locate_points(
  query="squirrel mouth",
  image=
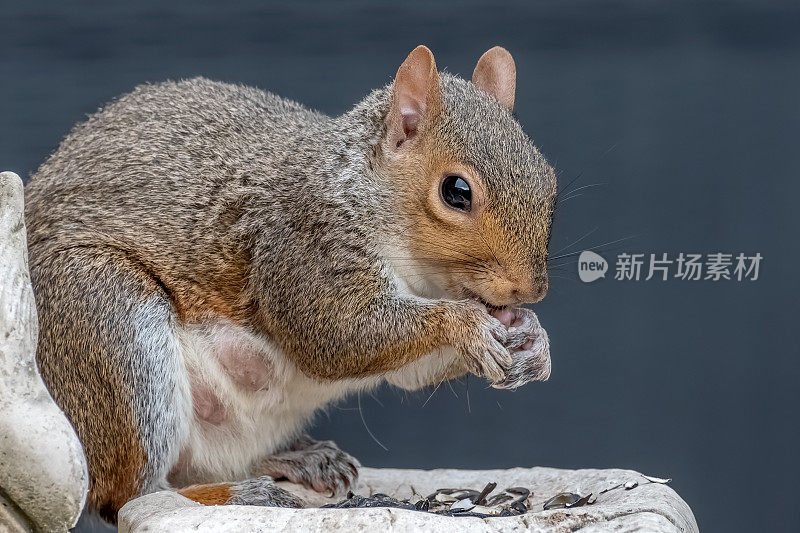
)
(472, 296)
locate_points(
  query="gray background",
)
(685, 114)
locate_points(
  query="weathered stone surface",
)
(12, 520)
(649, 507)
(42, 467)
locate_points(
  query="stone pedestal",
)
(648, 507)
(43, 477)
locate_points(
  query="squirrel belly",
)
(246, 399)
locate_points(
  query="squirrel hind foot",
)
(317, 465)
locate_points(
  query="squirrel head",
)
(476, 196)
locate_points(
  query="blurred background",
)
(680, 120)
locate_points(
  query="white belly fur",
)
(256, 422)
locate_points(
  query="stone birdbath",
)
(645, 506)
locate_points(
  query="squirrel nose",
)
(531, 292)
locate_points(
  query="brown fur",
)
(208, 494)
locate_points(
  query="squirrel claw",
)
(530, 364)
(530, 351)
(317, 465)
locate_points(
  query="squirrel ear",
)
(496, 74)
(415, 96)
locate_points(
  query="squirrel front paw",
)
(317, 465)
(482, 343)
(529, 345)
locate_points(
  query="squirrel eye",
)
(456, 192)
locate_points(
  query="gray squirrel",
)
(213, 263)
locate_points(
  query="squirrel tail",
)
(257, 491)
(209, 493)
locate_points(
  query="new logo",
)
(591, 266)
